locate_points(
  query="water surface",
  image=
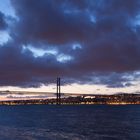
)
(70, 122)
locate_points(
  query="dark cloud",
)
(47, 20)
(23, 69)
(3, 23)
(108, 32)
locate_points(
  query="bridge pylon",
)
(58, 91)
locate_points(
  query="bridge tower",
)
(58, 91)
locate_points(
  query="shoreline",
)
(25, 102)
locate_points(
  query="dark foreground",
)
(70, 122)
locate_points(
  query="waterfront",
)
(115, 99)
(70, 122)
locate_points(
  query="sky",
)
(93, 45)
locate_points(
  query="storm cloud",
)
(3, 23)
(82, 41)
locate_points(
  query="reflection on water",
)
(79, 122)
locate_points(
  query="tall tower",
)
(58, 91)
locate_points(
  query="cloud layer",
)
(95, 41)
